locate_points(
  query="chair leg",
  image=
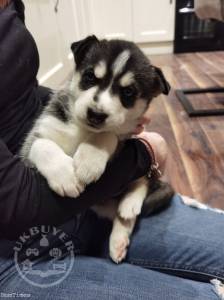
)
(181, 94)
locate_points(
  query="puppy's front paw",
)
(119, 243)
(130, 207)
(62, 180)
(88, 164)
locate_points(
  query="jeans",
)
(173, 255)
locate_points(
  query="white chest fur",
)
(66, 135)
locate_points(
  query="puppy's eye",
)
(129, 91)
(89, 76)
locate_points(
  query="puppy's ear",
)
(81, 47)
(161, 84)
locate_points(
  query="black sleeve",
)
(20, 9)
(26, 200)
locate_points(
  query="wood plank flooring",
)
(195, 165)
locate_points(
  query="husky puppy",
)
(79, 130)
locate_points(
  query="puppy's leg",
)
(120, 238)
(56, 167)
(91, 157)
(129, 208)
(131, 204)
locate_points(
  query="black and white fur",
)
(79, 130)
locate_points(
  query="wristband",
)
(154, 171)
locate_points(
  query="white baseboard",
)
(156, 48)
(56, 76)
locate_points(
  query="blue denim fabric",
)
(181, 240)
(96, 279)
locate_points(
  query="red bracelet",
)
(154, 171)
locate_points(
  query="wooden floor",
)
(196, 160)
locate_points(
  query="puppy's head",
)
(113, 84)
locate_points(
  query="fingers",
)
(145, 120)
(142, 121)
(138, 129)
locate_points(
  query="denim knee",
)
(182, 240)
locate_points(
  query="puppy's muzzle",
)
(95, 118)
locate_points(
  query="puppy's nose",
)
(96, 118)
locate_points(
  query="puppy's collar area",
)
(154, 171)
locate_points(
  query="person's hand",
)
(142, 122)
(4, 3)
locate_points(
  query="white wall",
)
(53, 33)
(150, 23)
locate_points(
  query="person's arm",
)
(18, 5)
(26, 200)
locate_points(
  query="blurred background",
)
(56, 24)
(183, 37)
(157, 26)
